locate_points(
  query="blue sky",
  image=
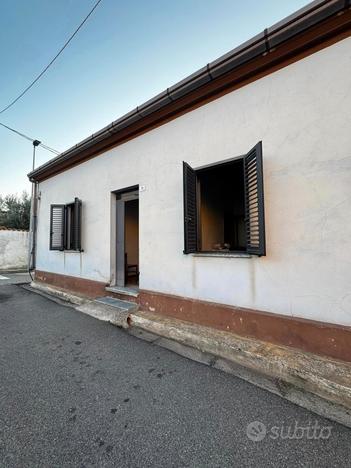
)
(126, 53)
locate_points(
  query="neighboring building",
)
(13, 249)
(253, 233)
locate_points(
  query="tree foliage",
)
(15, 211)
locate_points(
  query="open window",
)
(65, 226)
(224, 206)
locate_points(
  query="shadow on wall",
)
(13, 249)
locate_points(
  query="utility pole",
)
(33, 217)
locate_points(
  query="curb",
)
(58, 293)
(14, 271)
(318, 384)
(85, 305)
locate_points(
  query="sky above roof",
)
(126, 53)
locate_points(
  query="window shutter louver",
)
(190, 209)
(254, 201)
(77, 224)
(57, 227)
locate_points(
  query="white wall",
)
(13, 250)
(302, 115)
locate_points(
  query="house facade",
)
(223, 201)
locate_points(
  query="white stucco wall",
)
(302, 115)
(13, 250)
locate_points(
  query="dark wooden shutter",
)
(190, 209)
(77, 222)
(254, 202)
(57, 227)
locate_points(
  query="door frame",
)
(118, 200)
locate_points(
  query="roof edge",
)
(305, 22)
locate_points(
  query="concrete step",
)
(123, 291)
(125, 294)
(110, 310)
(118, 303)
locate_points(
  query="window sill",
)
(72, 251)
(222, 254)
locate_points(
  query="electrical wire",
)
(51, 62)
(48, 148)
(16, 131)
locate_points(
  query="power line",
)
(49, 149)
(30, 139)
(52, 61)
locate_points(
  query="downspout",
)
(33, 219)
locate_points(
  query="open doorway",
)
(127, 238)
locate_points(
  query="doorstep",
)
(127, 293)
(128, 306)
(110, 310)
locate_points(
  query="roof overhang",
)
(316, 26)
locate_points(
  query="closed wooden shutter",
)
(77, 221)
(190, 209)
(57, 227)
(254, 201)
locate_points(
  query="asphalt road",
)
(14, 278)
(77, 392)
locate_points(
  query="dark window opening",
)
(65, 226)
(224, 206)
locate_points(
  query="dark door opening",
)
(127, 237)
(131, 247)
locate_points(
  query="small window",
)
(65, 226)
(224, 207)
